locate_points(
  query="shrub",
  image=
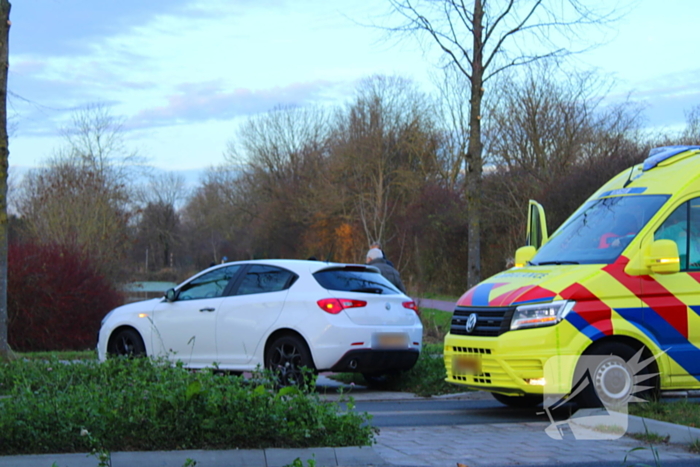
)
(139, 404)
(56, 298)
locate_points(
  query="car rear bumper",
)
(376, 361)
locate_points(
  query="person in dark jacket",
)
(378, 246)
(375, 258)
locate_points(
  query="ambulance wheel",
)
(606, 376)
(522, 402)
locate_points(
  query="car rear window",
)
(355, 279)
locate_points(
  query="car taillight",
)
(336, 305)
(412, 306)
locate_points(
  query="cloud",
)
(207, 101)
(54, 27)
(667, 97)
(69, 27)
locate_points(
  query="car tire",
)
(611, 379)
(286, 357)
(521, 402)
(126, 343)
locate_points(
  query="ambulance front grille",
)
(490, 321)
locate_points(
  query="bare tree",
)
(158, 219)
(280, 156)
(77, 207)
(81, 198)
(162, 187)
(95, 139)
(691, 133)
(453, 91)
(483, 38)
(544, 122)
(382, 142)
(5, 6)
(217, 213)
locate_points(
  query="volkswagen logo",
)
(388, 306)
(471, 323)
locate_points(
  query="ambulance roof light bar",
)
(658, 155)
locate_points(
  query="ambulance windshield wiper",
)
(545, 263)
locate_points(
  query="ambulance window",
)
(694, 256)
(686, 218)
(599, 231)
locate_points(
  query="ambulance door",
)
(536, 225)
(672, 311)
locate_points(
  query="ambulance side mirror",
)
(523, 255)
(663, 257)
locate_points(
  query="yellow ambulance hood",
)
(532, 284)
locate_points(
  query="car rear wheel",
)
(126, 343)
(286, 357)
(518, 401)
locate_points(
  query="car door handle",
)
(207, 309)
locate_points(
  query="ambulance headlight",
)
(543, 314)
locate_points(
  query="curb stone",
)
(679, 434)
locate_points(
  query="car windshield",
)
(355, 280)
(599, 231)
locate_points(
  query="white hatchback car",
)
(279, 314)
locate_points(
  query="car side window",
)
(209, 285)
(694, 255)
(261, 279)
(684, 220)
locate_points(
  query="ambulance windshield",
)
(599, 231)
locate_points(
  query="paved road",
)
(431, 412)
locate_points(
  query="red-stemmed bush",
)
(56, 298)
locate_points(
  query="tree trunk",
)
(474, 150)
(5, 351)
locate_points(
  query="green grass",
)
(437, 296)
(436, 323)
(694, 446)
(59, 355)
(650, 438)
(680, 412)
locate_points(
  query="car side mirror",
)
(663, 257)
(523, 255)
(170, 295)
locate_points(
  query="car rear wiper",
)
(545, 263)
(376, 290)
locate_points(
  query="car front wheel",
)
(126, 343)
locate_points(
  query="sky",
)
(182, 74)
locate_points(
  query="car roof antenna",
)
(629, 178)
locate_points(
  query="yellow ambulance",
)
(619, 280)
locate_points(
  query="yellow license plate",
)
(391, 341)
(464, 365)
